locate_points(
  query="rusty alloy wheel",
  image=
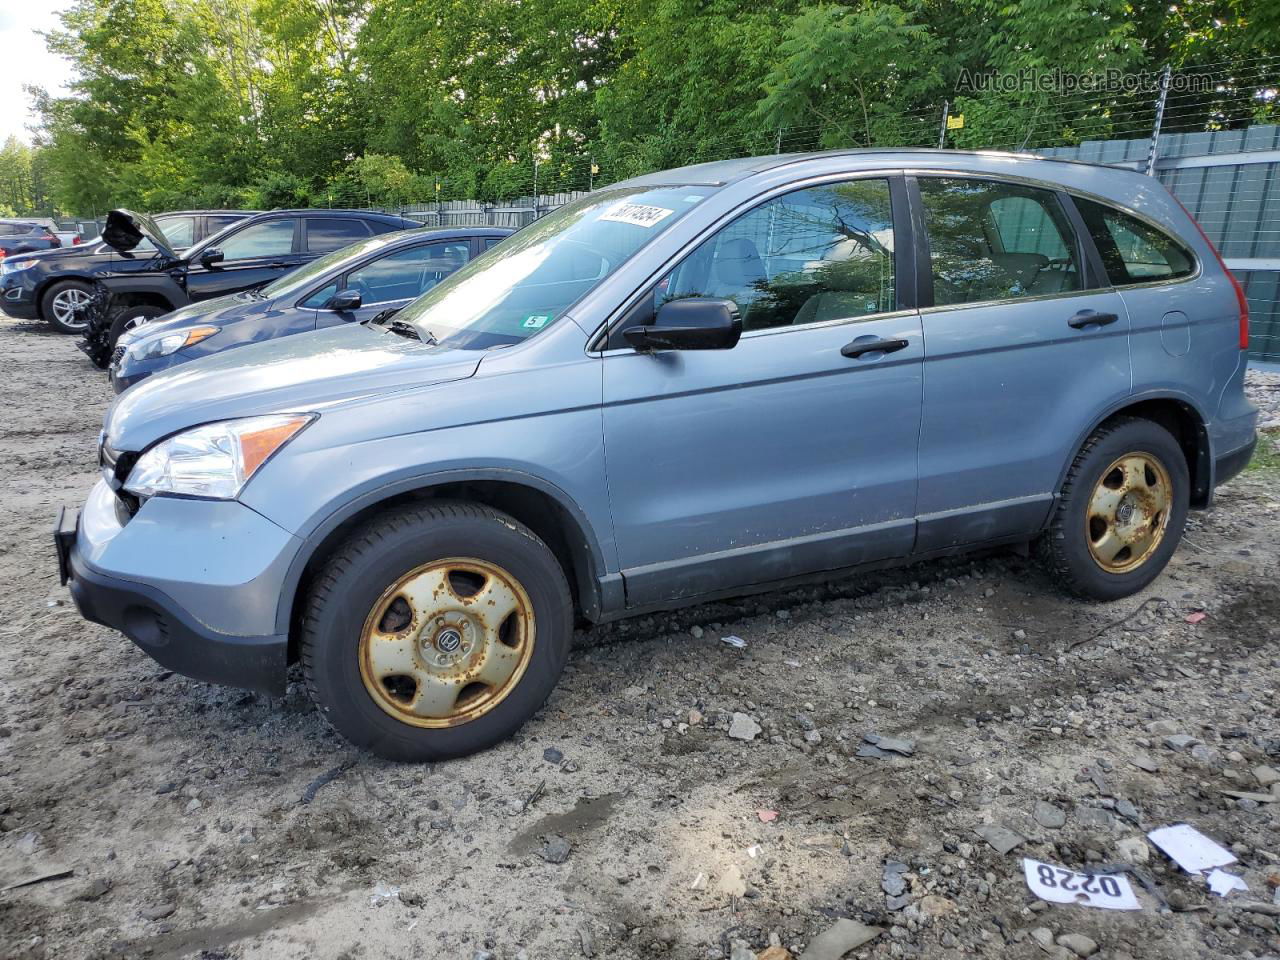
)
(447, 642)
(1128, 512)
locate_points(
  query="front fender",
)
(607, 589)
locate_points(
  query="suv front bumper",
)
(199, 596)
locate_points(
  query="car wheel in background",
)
(58, 304)
(127, 318)
(435, 631)
(1121, 512)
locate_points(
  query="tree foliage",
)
(260, 103)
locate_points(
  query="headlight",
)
(215, 460)
(170, 343)
(13, 266)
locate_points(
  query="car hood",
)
(304, 373)
(126, 229)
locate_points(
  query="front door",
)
(251, 256)
(795, 451)
(1024, 342)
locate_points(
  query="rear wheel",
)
(1121, 512)
(58, 305)
(126, 318)
(436, 631)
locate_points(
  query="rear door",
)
(252, 255)
(392, 281)
(1025, 342)
(794, 451)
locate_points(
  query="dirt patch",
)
(178, 804)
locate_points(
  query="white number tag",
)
(1060, 885)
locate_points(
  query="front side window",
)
(1133, 251)
(996, 241)
(326, 235)
(810, 256)
(271, 238)
(529, 282)
(321, 297)
(408, 273)
(179, 231)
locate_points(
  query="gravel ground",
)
(628, 819)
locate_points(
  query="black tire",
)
(374, 558)
(54, 304)
(127, 317)
(1066, 546)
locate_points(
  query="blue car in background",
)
(349, 285)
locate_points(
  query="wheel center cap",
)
(448, 640)
(1125, 512)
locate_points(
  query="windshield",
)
(527, 282)
(298, 280)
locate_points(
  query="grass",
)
(1267, 457)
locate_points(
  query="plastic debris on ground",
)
(1197, 854)
(736, 642)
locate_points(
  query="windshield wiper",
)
(406, 329)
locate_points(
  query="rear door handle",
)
(860, 346)
(278, 265)
(1091, 318)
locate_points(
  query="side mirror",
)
(210, 257)
(344, 301)
(694, 323)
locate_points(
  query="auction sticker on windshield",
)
(1060, 885)
(640, 214)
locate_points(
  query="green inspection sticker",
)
(536, 321)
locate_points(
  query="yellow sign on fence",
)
(955, 121)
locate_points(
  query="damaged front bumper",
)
(194, 583)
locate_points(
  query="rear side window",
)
(219, 223)
(996, 241)
(1134, 251)
(326, 235)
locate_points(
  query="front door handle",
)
(1091, 318)
(860, 346)
(277, 265)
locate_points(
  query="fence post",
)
(942, 131)
(1155, 130)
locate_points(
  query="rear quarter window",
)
(1132, 250)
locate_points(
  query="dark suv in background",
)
(18, 236)
(50, 284)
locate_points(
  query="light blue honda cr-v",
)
(696, 383)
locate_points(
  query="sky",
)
(27, 61)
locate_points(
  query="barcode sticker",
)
(639, 214)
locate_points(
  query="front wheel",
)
(1121, 510)
(127, 318)
(436, 631)
(61, 306)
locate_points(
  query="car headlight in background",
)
(215, 460)
(13, 266)
(170, 343)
